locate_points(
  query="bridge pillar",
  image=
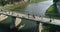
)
(39, 27)
(17, 21)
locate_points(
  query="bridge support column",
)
(17, 21)
(39, 27)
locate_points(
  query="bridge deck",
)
(30, 17)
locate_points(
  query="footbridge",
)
(37, 19)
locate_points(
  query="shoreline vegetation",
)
(15, 5)
(52, 12)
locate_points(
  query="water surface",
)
(38, 8)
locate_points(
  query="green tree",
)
(3, 2)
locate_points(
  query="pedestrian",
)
(9, 12)
(12, 13)
(50, 20)
(33, 16)
(17, 15)
(39, 16)
(28, 15)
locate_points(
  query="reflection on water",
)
(30, 26)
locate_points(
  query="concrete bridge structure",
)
(18, 16)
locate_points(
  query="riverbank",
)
(9, 7)
(52, 12)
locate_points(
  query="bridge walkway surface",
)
(31, 17)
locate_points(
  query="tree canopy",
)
(56, 0)
(3, 2)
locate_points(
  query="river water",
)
(39, 8)
(33, 9)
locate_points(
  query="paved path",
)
(30, 17)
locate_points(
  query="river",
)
(38, 9)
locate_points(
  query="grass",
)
(45, 30)
(50, 28)
(52, 12)
(20, 9)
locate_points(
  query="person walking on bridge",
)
(50, 19)
(28, 15)
(33, 16)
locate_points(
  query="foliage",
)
(4, 2)
(52, 11)
(56, 0)
(51, 28)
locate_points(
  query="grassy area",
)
(45, 30)
(52, 11)
(50, 28)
